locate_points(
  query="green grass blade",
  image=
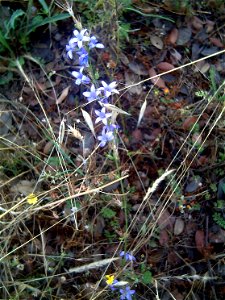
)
(149, 15)
(4, 42)
(48, 20)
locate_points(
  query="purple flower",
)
(106, 136)
(102, 116)
(126, 294)
(83, 57)
(70, 48)
(80, 37)
(127, 256)
(81, 78)
(93, 43)
(112, 127)
(92, 94)
(112, 287)
(108, 89)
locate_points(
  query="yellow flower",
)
(109, 279)
(32, 199)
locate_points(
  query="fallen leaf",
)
(137, 135)
(156, 41)
(193, 185)
(157, 80)
(189, 122)
(63, 95)
(24, 187)
(216, 42)
(163, 238)
(164, 220)
(48, 147)
(175, 55)
(165, 66)
(138, 68)
(173, 36)
(130, 79)
(197, 23)
(200, 240)
(184, 36)
(209, 26)
(178, 226)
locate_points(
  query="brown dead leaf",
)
(173, 36)
(165, 66)
(130, 79)
(48, 147)
(209, 26)
(138, 68)
(159, 82)
(156, 41)
(197, 23)
(63, 95)
(164, 219)
(137, 135)
(200, 240)
(216, 42)
(189, 122)
(163, 238)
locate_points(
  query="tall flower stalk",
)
(79, 48)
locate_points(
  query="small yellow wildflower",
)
(166, 91)
(32, 199)
(109, 279)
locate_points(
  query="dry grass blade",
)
(142, 111)
(156, 183)
(89, 122)
(63, 95)
(94, 265)
(114, 108)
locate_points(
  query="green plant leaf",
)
(147, 277)
(11, 24)
(108, 213)
(44, 6)
(48, 20)
(6, 78)
(4, 42)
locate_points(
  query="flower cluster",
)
(127, 256)
(79, 47)
(125, 293)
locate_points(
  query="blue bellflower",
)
(70, 48)
(106, 136)
(93, 43)
(127, 256)
(126, 294)
(109, 89)
(80, 37)
(92, 94)
(102, 116)
(80, 77)
(83, 57)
